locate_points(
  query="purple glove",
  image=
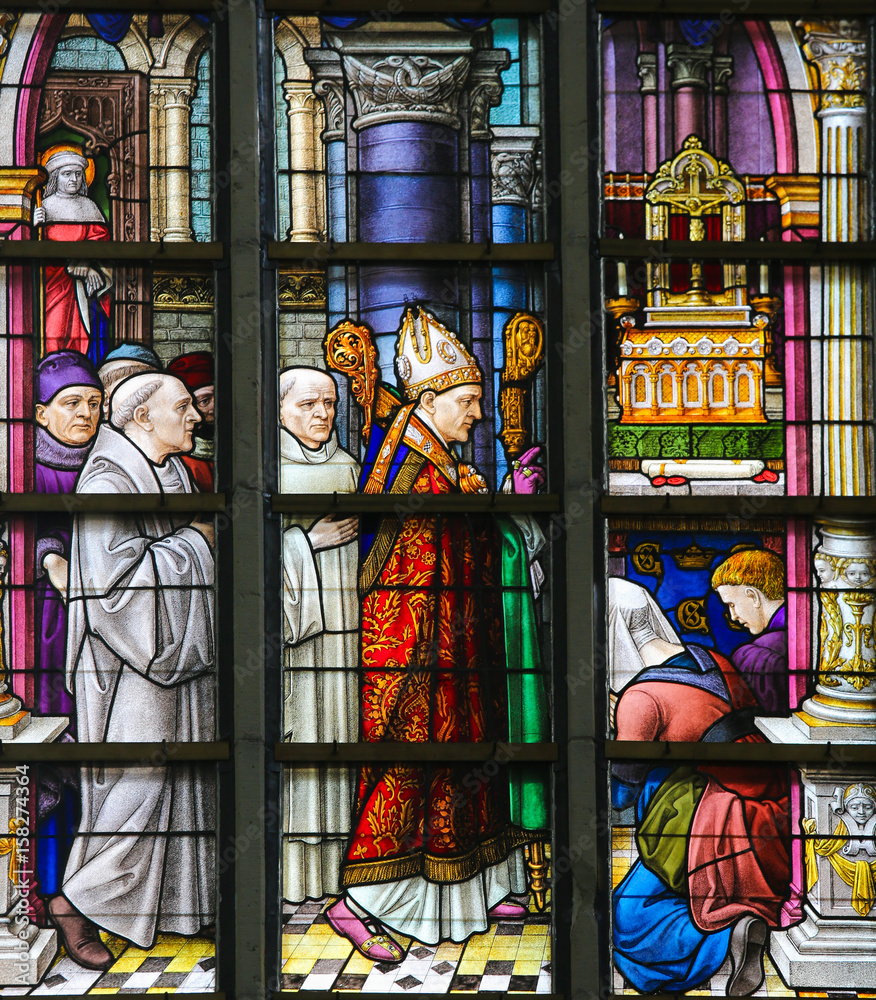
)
(526, 477)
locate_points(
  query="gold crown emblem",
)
(694, 557)
(429, 356)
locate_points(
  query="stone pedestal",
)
(26, 951)
(836, 941)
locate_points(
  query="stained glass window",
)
(418, 376)
(738, 388)
(108, 664)
(723, 374)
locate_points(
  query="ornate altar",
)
(703, 352)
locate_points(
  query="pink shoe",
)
(377, 947)
(508, 911)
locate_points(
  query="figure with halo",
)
(76, 294)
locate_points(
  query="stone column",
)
(485, 93)
(689, 70)
(156, 177)
(171, 104)
(303, 106)
(844, 358)
(513, 160)
(646, 66)
(406, 85)
(844, 704)
(325, 65)
(722, 70)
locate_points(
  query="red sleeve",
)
(73, 232)
(638, 716)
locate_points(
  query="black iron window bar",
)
(113, 250)
(736, 8)
(811, 251)
(477, 252)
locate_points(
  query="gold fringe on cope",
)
(437, 869)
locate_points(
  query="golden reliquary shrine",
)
(703, 352)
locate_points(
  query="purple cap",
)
(61, 369)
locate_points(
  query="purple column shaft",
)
(408, 193)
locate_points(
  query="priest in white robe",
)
(140, 663)
(321, 642)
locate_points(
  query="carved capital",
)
(646, 67)
(329, 86)
(300, 98)
(182, 291)
(486, 89)
(513, 164)
(689, 66)
(839, 50)
(405, 76)
(722, 70)
(172, 93)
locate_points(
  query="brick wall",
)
(200, 143)
(301, 337)
(175, 333)
(92, 54)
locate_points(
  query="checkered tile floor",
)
(510, 957)
(622, 857)
(175, 964)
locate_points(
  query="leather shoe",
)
(79, 935)
(747, 942)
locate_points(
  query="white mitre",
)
(429, 356)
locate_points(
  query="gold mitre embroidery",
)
(429, 356)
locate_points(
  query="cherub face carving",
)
(858, 574)
(861, 808)
(824, 570)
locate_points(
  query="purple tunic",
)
(764, 665)
(57, 466)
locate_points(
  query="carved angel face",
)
(861, 808)
(858, 574)
(824, 570)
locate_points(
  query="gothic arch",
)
(788, 89)
(181, 48)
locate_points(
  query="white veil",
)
(634, 618)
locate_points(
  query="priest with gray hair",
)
(140, 662)
(321, 640)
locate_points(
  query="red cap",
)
(195, 369)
